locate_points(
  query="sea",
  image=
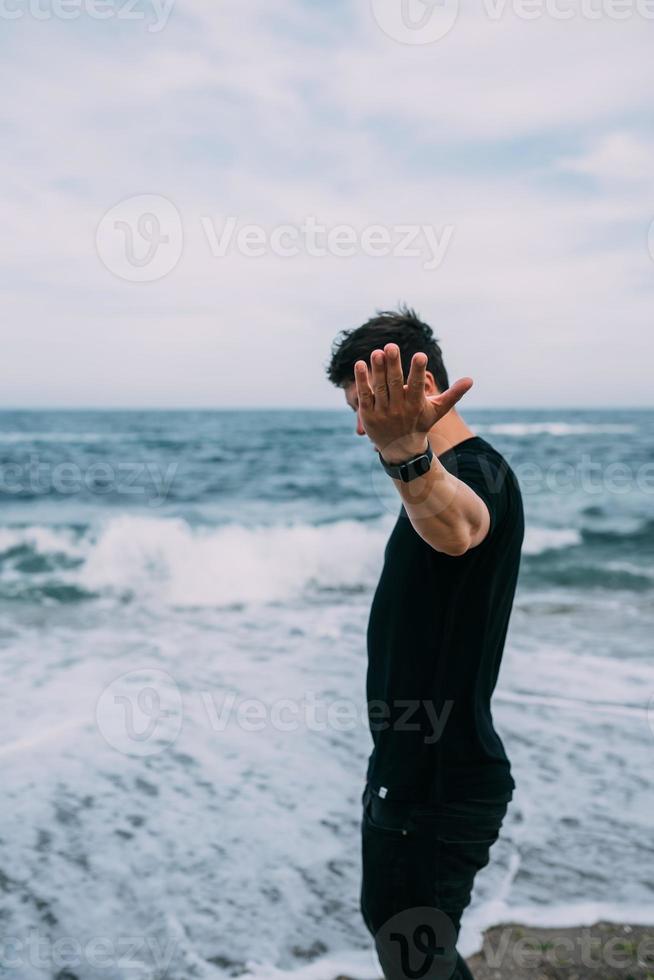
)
(183, 742)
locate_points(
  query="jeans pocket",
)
(380, 817)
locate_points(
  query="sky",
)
(198, 195)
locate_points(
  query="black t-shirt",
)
(435, 640)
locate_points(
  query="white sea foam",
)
(232, 564)
(540, 539)
(229, 826)
(520, 429)
(354, 963)
(42, 540)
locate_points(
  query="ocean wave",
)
(641, 535)
(41, 540)
(520, 429)
(231, 564)
(168, 560)
(610, 576)
(538, 540)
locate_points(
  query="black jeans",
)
(419, 861)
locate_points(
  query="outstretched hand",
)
(395, 415)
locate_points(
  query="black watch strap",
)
(411, 469)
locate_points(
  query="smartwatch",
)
(410, 469)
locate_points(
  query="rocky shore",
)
(605, 951)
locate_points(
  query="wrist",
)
(403, 450)
(415, 465)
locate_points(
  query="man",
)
(438, 779)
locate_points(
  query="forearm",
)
(445, 512)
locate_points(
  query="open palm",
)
(395, 415)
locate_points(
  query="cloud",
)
(622, 159)
(525, 137)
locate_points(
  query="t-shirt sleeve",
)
(487, 476)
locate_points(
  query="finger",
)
(378, 372)
(364, 391)
(415, 383)
(394, 375)
(448, 399)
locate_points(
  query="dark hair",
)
(402, 327)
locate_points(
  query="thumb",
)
(447, 399)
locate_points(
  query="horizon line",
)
(305, 408)
(308, 408)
